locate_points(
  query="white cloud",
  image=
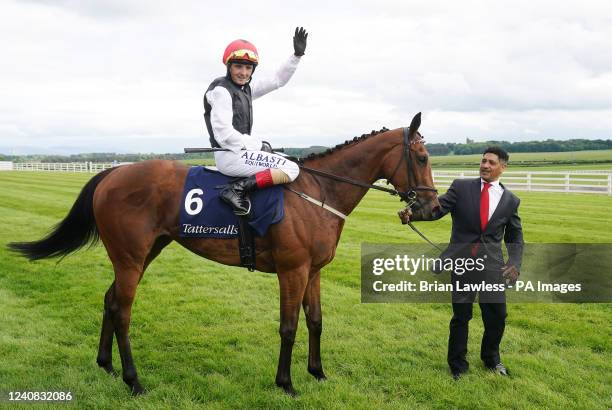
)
(129, 75)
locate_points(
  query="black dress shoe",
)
(500, 369)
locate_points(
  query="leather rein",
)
(408, 196)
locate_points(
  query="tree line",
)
(436, 149)
(548, 145)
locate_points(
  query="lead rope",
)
(424, 237)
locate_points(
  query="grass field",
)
(588, 158)
(534, 161)
(521, 161)
(206, 335)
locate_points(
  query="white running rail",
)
(583, 181)
(93, 167)
(579, 181)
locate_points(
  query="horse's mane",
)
(354, 141)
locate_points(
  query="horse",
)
(134, 210)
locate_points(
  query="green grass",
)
(205, 161)
(206, 335)
(534, 160)
(606, 166)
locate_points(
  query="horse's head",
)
(408, 168)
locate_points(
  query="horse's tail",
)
(76, 230)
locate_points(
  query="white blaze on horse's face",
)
(241, 73)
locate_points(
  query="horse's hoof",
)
(108, 368)
(137, 389)
(318, 374)
(135, 386)
(290, 391)
(288, 388)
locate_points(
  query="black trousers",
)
(494, 319)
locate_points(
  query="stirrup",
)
(248, 211)
(246, 244)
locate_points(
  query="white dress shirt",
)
(495, 194)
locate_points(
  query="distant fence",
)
(92, 167)
(582, 181)
(579, 181)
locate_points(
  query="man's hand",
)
(299, 41)
(265, 146)
(404, 215)
(510, 273)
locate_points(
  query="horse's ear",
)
(415, 124)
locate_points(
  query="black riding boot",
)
(236, 195)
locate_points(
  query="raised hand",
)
(299, 41)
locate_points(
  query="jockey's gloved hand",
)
(299, 41)
(265, 146)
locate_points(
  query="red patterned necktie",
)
(484, 205)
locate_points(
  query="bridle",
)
(409, 196)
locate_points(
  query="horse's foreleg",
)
(126, 281)
(292, 286)
(105, 350)
(314, 321)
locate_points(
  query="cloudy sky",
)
(129, 75)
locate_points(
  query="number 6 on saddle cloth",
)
(205, 215)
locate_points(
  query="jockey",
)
(228, 113)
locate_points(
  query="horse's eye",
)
(423, 159)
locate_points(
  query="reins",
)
(347, 180)
(408, 196)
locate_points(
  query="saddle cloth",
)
(205, 215)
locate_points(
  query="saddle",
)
(205, 215)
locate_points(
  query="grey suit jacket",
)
(462, 200)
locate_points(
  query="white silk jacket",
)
(221, 113)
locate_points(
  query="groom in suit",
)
(484, 212)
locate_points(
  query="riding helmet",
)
(241, 51)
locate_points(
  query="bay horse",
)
(134, 210)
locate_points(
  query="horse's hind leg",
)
(314, 321)
(105, 350)
(126, 281)
(129, 268)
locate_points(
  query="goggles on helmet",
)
(243, 55)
